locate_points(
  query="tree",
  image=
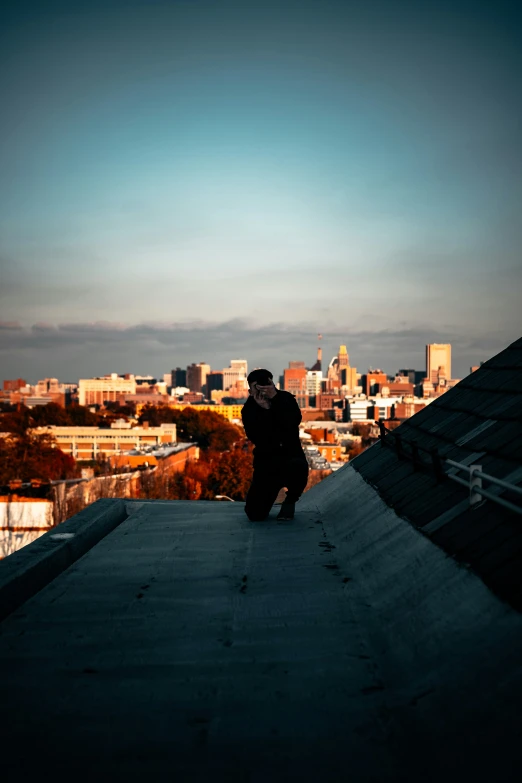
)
(28, 456)
(231, 474)
(206, 428)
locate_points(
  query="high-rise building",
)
(343, 358)
(214, 382)
(197, 376)
(341, 374)
(179, 377)
(295, 382)
(314, 380)
(236, 375)
(438, 362)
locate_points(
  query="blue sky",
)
(199, 181)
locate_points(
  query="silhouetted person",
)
(271, 419)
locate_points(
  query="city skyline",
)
(189, 182)
(32, 377)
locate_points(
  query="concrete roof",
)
(177, 641)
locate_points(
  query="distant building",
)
(341, 375)
(86, 443)
(197, 376)
(173, 457)
(314, 380)
(236, 375)
(108, 388)
(408, 408)
(414, 376)
(372, 380)
(192, 396)
(214, 382)
(178, 377)
(229, 412)
(399, 386)
(42, 393)
(295, 382)
(438, 362)
(15, 385)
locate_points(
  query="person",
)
(271, 420)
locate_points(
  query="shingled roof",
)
(478, 422)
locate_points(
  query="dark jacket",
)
(273, 431)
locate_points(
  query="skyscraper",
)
(236, 374)
(179, 377)
(197, 376)
(438, 361)
(295, 381)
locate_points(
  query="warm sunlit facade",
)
(438, 362)
(86, 443)
(97, 391)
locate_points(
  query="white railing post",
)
(475, 482)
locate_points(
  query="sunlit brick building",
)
(295, 382)
(109, 388)
(197, 376)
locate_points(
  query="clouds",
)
(197, 181)
(73, 350)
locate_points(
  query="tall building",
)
(343, 358)
(295, 382)
(197, 376)
(314, 379)
(214, 382)
(340, 373)
(438, 362)
(108, 388)
(179, 377)
(236, 375)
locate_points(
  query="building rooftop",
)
(177, 640)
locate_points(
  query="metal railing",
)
(436, 462)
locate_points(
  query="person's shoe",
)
(287, 511)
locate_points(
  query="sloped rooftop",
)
(477, 422)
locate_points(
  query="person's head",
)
(260, 377)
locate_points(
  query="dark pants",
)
(269, 477)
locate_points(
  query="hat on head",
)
(263, 377)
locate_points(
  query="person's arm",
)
(248, 424)
(286, 410)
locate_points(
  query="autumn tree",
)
(231, 474)
(206, 428)
(28, 455)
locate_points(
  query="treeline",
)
(215, 473)
(23, 418)
(26, 454)
(208, 429)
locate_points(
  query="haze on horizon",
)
(200, 181)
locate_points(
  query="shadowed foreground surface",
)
(190, 644)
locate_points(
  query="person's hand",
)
(259, 397)
(269, 391)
